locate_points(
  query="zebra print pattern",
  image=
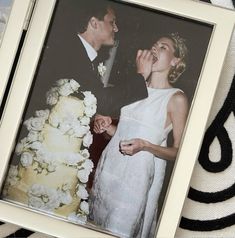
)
(191, 227)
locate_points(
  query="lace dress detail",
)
(126, 189)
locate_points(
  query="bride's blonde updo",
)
(181, 52)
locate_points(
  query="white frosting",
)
(53, 169)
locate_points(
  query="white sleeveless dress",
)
(126, 189)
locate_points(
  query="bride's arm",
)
(133, 146)
(177, 111)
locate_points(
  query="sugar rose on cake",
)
(54, 164)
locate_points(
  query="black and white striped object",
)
(209, 210)
(12, 231)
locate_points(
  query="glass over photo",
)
(106, 115)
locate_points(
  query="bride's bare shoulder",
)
(178, 101)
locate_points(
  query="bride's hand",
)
(101, 123)
(131, 147)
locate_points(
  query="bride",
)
(131, 170)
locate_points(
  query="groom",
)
(80, 29)
(97, 28)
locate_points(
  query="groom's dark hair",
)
(83, 10)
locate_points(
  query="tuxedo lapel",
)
(85, 71)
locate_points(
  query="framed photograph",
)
(106, 115)
(13, 21)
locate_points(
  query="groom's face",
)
(108, 28)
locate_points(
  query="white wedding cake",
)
(54, 163)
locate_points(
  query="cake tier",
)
(56, 142)
(68, 106)
(49, 185)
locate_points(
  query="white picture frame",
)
(10, 38)
(177, 191)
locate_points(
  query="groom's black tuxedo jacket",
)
(70, 60)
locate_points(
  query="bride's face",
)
(163, 55)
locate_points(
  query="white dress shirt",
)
(91, 52)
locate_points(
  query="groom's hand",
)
(101, 123)
(144, 62)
